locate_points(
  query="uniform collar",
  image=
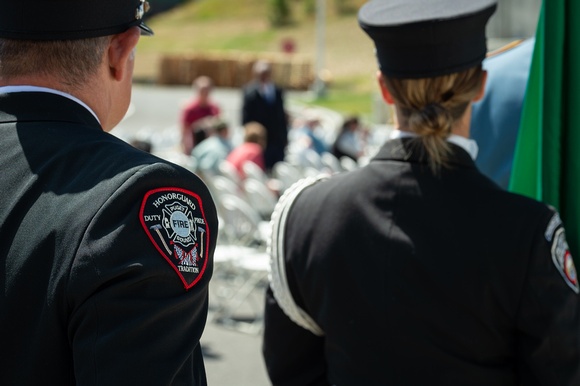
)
(40, 106)
(26, 88)
(406, 149)
(469, 145)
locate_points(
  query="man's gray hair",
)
(72, 62)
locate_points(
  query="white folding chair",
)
(220, 185)
(241, 306)
(241, 222)
(251, 170)
(260, 197)
(310, 158)
(228, 170)
(330, 161)
(287, 173)
(348, 163)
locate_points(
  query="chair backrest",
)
(220, 185)
(228, 170)
(241, 223)
(330, 161)
(310, 158)
(260, 197)
(251, 170)
(348, 163)
(287, 173)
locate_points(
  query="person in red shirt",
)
(251, 150)
(197, 108)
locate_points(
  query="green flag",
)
(547, 157)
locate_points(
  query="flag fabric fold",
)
(547, 156)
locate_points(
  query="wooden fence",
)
(234, 70)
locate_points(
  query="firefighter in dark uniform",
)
(417, 269)
(106, 252)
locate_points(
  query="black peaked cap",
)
(70, 19)
(427, 38)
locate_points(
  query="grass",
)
(218, 26)
(350, 95)
(344, 101)
(201, 10)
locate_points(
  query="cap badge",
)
(142, 10)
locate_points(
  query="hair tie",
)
(447, 95)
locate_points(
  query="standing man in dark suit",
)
(106, 251)
(264, 103)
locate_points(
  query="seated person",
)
(197, 108)
(251, 150)
(306, 137)
(207, 155)
(349, 143)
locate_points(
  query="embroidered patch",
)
(554, 223)
(174, 221)
(563, 260)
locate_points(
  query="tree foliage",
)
(280, 14)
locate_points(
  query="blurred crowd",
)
(277, 148)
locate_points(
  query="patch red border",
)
(142, 220)
(570, 269)
(563, 260)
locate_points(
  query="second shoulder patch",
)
(563, 260)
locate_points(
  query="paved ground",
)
(233, 357)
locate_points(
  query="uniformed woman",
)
(417, 269)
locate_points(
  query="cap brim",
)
(146, 31)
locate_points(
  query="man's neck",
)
(91, 93)
(29, 88)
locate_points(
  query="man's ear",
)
(387, 97)
(481, 92)
(120, 52)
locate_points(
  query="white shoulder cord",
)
(277, 275)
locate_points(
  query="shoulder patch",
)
(563, 260)
(554, 223)
(174, 220)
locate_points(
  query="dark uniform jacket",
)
(416, 279)
(89, 293)
(255, 108)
